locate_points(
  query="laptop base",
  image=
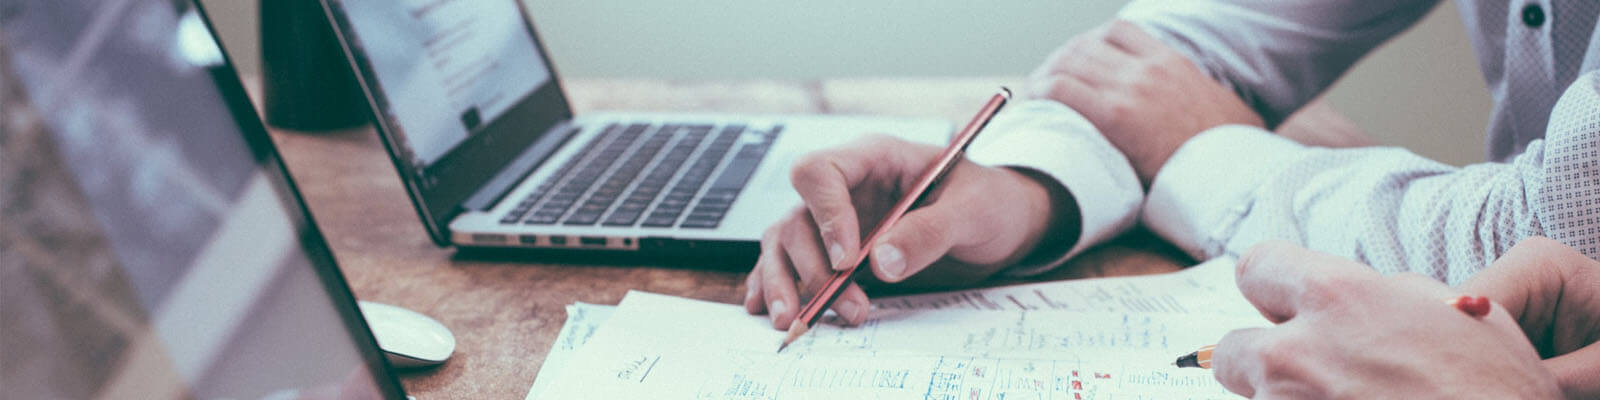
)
(657, 252)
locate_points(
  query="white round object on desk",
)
(408, 338)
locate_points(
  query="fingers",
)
(1279, 278)
(1552, 292)
(777, 282)
(1076, 71)
(799, 237)
(1528, 280)
(852, 305)
(824, 181)
(791, 252)
(1278, 362)
(802, 244)
(1069, 90)
(1093, 61)
(1231, 364)
(1578, 372)
(753, 302)
(921, 237)
(1133, 39)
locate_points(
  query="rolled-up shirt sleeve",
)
(1276, 54)
(1048, 138)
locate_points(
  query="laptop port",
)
(558, 240)
(592, 241)
(530, 240)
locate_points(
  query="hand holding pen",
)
(1345, 331)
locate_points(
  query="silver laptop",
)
(475, 120)
(152, 246)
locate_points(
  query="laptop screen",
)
(445, 67)
(459, 90)
(152, 246)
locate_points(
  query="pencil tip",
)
(795, 330)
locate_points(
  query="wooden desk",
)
(506, 315)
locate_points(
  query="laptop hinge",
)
(519, 168)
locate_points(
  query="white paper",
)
(1207, 288)
(664, 347)
(583, 319)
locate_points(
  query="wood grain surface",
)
(505, 315)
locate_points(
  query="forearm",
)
(1233, 187)
(1276, 55)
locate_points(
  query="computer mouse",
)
(408, 338)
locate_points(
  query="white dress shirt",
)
(1233, 186)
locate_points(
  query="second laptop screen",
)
(445, 67)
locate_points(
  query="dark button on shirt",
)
(1533, 15)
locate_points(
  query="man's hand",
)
(982, 218)
(1554, 294)
(1147, 98)
(1347, 332)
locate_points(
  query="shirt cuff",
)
(1201, 192)
(1052, 139)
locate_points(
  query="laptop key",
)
(701, 222)
(623, 218)
(720, 194)
(542, 219)
(673, 204)
(737, 173)
(659, 220)
(673, 211)
(645, 192)
(582, 218)
(636, 201)
(557, 205)
(708, 212)
(704, 208)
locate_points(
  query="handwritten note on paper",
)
(657, 346)
(583, 319)
(1205, 288)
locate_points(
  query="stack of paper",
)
(1109, 338)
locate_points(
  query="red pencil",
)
(812, 312)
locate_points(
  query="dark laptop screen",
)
(459, 89)
(445, 66)
(151, 246)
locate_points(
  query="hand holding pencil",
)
(921, 191)
(983, 218)
(1346, 331)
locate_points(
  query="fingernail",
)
(890, 261)
(835, 254)
(750, 292)
(848, 309)
(777, 308)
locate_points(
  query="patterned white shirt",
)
(1233, 186)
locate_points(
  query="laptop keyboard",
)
(651, 175)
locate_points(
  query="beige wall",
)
(1422, 91)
